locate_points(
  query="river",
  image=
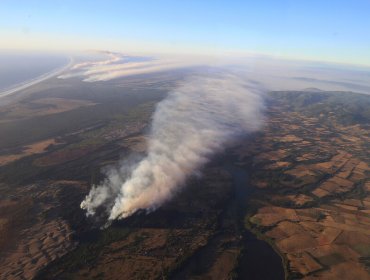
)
(259, 261)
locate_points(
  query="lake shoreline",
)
(257, 254)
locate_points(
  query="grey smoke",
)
(195, 121)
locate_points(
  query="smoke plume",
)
(195, 121)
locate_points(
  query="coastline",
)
(36, 80)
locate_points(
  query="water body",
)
(18, 70)
(259, 261)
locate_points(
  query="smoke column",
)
(195, 121)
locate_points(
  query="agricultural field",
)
(294, 196)
(313, 175)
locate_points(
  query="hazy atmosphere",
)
(185, 140)
(324, 31)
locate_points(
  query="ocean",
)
(20, 68)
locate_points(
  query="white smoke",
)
(195, 121)
(274, 72)
(117, 65)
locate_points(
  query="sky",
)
(335, 31)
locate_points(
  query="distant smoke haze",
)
(274, 73)
(117, 65)
(196, 120)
